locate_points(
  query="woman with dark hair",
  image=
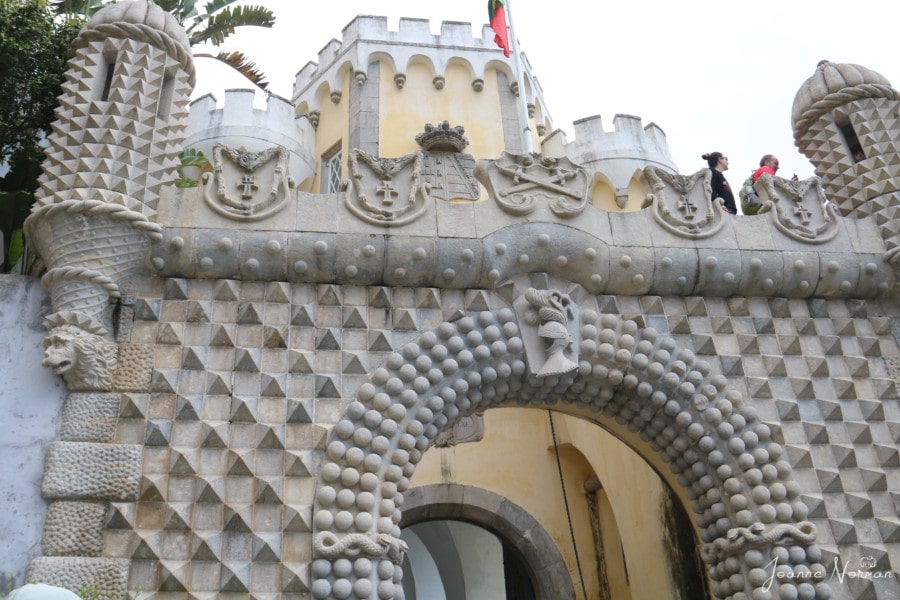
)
(718, 164)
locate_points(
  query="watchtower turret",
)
(116, 140)
(845, 120)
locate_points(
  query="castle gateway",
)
(381, 349)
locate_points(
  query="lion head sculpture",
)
(85, 360)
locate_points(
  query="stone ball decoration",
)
(40, 591)
(713, 442)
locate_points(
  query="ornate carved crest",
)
(681, 203)
(449, 173)
(468, 429)
(799, 209)
(519, 181)
(552, 336)
(248, 186)
(387, 191)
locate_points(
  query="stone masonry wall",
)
(246, 379)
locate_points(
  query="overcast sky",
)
(713, 75)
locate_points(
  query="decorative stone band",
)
(88, 247)
(109, 576)
(848, 94)
(329, 545)
(668, 268)
(744, 538)
(116, 212)
(82, 274)
(140, 32)
(82, 471)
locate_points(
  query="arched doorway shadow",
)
(506, 519)
(636, 383)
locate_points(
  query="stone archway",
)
(629, 378)
(503, 517)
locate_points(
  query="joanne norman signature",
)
(842, 573)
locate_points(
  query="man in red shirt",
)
(767, 164)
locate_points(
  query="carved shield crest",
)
(386, 191)
(450, 176)
(248, 186)
(681, 203)
(799, 209)
(519, 182)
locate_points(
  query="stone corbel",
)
(89, 247)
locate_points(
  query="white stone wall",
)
(31, 399)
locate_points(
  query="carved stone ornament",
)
(799, 209)
(468, 429)
(443, 138)
(248, 186)
(449, 173)
(519, 181)
(550, 331)
(741, 539)
(329, 545)
(387, 191)
(681, 203)
(85, 360)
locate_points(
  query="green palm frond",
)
(243, 65)
(76, 8)
(223, 23)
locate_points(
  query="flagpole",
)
(520, 81)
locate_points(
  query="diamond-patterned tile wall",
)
(247, 379)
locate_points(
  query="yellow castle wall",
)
(516, 460)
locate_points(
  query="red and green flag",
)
(497, 16)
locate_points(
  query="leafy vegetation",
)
(34, 38)
(33, 45)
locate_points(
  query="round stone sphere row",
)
(422, 389)
(702, 429)
(362, 578)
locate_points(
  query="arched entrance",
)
(639, 385)
(536, 550)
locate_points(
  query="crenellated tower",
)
(236, 123)
(374, 89)
(616, 159)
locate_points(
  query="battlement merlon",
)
(366, 36)
(618, 154)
